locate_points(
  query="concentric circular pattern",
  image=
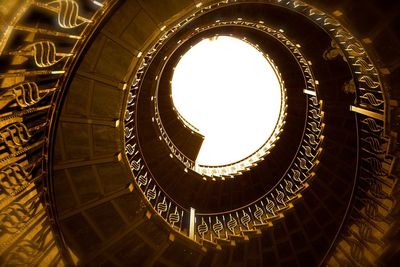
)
(260, 209)
(234, 94)
(214, 172)
(238, 220)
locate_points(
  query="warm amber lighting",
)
(228, 90)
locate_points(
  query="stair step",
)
(263, 226)
(225, 242)
(238, 237)
(252, 233)
(212, 245)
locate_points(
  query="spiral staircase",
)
(98, 168)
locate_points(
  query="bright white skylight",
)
(228, 90)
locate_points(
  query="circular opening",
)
(230, 92)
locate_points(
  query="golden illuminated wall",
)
(39, 42)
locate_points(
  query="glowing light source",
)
(228, 90)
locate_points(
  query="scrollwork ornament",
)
(26, 251)
(375, 165)
(151, 193)
(245, 219)
(356, 250)
(369, 81)
(364, 66)
(232, 223)
(280, 197)
(270, 206)
(374, 144)
(45, 53)
(202, 228)
(13, 218)
(289, 187)
(372, 125)
(28, 94)
(174, 217)
(355, 49)
(13, 179)
(68, 14)
(258, 213)
(128, 115)
(217, 226)
(142, 180)
(15, 136)
(162, 206)
(136, 165)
